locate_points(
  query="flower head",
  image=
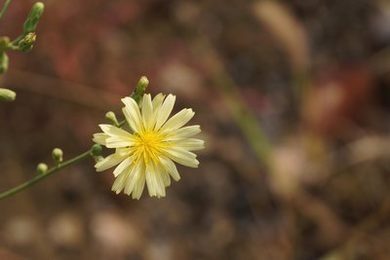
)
(147, 153)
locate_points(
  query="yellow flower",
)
(148, 152)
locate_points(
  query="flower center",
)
(149, 145)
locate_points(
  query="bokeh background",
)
(293, 98)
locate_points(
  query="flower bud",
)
(112, 117)
(27, 43)
(140, 88)
(143, 83)
(3, 62)
(96, 150)
(57, 155)
(4, 43)
(42, 168)
(7, 95)
(33, 17)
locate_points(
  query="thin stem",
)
(241, 113)
(121, 123)
(244, 118)
(5, 6)
(40, 177)
(140, 89)
(17, 39)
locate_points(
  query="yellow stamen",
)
(149, 145)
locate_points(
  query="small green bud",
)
(42, 168)
(33, 17)
(140, 88)
(143, 83)
(96, 150)
(112, 117)
(57, 155)
(7, 95)
(4, 43)
(27, 43)
(3, 62)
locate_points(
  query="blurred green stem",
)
(241, 113)
(244, 118)
(5, 6)
(39, 177)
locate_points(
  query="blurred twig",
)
(242, 115)
(359, 231)
(308, 205)
(62, 90)
(4, 8)
(290, 35)
(365, 150)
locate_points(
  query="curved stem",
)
(5, 6)
(40, 177)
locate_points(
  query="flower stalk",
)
(94, 152)
(43, 174)
(24, 42)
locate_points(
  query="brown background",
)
(314, 74)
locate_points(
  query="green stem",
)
(40, 177)
(244, 118)
(140, 89)
(5, 6)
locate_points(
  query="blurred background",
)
(293, 98)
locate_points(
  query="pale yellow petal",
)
(162, 175)
(147, 112)
(115, 131)
(120, 181)
(154, 182)
(100, 138)
(160, 183)
(150, 184)
(165, 111)
(108, 162)
(133, 179)
(178, 120)
(190, 144)
(183, 157)
(119, 142)
(170, 167)
(139, 186)
(183, 133)
(123, 166)
(157, 102)
(166, 178)
(132, 114)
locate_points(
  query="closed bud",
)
(33, 17)
(96, 150)
(4, 43)
(27, 43)
(57, 155)
(42, 168)
(3, 62)
(112, 117)
(7, 95)
(140, 88)
(143, 83)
